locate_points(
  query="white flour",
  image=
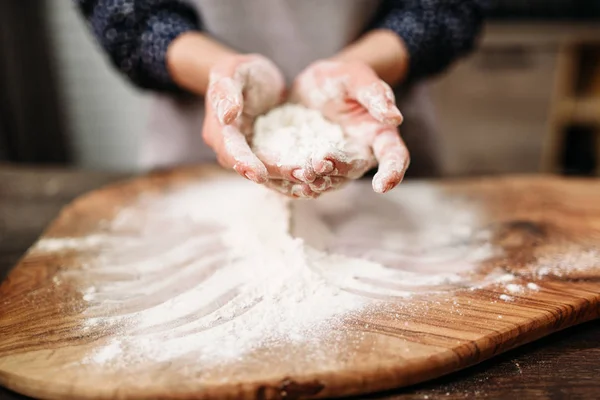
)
(578, 260)
(211, 270)
(52, 245)
(295, 134)
(514, 288)
(265, 292)
(506, 297)
(419, 241)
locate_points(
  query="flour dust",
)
(222, 268)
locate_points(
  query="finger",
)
(349, 165)
(328, 161)
(305, 174)
(352, 161)
(326, 183)
(321, 184)
(225, 94)
(237, 154)
(262, 84)
(393, 158)
(294, 173)
(377, 97)
(324, 165)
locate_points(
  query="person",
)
(215, 65)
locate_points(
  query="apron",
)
(293, 34)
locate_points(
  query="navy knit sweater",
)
(136, 33)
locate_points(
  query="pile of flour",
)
(294, 134)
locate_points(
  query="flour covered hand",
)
(351, 95)
(241, 88)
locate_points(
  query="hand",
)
(353, 96)
(241, 88)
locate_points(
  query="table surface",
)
(563, 365)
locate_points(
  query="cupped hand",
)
(241, 88)
(353, 96)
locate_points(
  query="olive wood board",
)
(537, 271)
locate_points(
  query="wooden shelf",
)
(579, 111)
(576, 99)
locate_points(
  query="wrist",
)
(382, 50)
(190, 58)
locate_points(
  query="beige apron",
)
(292, 33)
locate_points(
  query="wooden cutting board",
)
(462, 271)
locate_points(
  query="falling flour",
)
(218, 284)
(294, 134)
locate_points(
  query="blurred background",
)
(527, 100)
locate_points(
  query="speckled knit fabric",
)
(136, 33)
(436, 32)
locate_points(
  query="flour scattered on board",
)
(568, 262)
(107, 353)
(514, 288)
(242, 281)
(61, 244)
(224, 268)
(506, 297)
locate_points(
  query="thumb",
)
(225, 97)
(237, 154)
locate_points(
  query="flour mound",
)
(293, 135)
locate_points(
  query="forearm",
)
(384, 51)
(135, 35)
(191, 56)
(435, 32)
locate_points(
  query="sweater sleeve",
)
(436, 32)
(136, 34)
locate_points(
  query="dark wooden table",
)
(563, 366)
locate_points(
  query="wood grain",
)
(42, 343)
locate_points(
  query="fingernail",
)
(251, 176)
(224, 111)
(297, 191)
(396, 112)
(378, 185)
(309, 175)
(394, 116)
(298, 174)
(326, 167)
